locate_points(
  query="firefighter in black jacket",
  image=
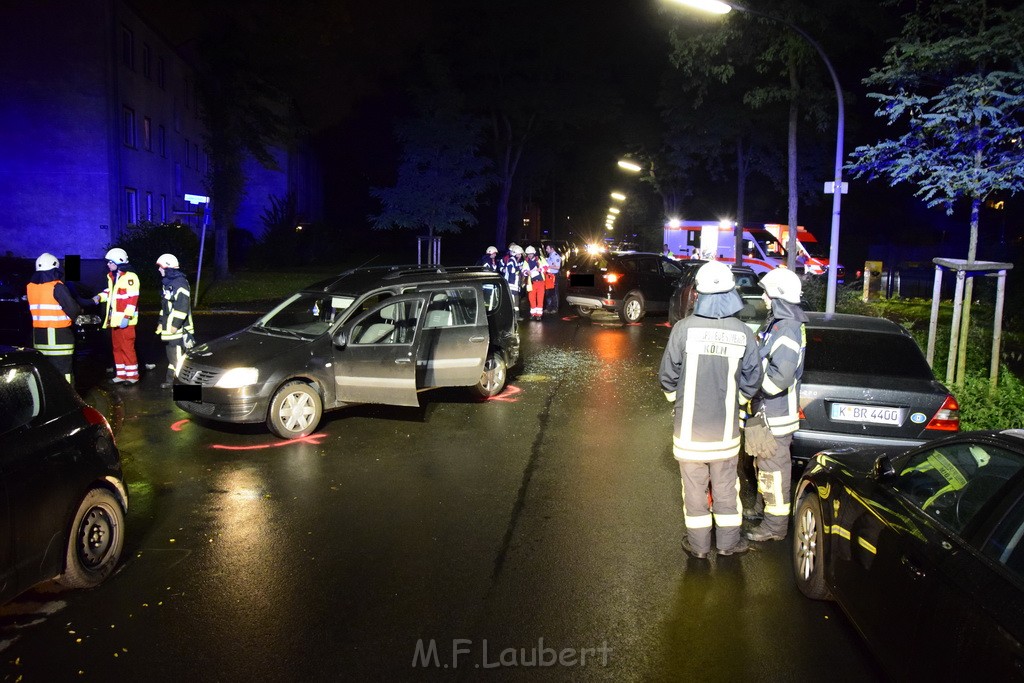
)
(710, 366)
(782, 340)
(175, 326)
(54, 309)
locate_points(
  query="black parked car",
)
(924, 551)
(684, 296)
(369, 335)
(62, 492)
(866, 383)
(628, 283)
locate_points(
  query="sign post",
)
(198, 200)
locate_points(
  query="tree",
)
(955, 82)
(441, 174)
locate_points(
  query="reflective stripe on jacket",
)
(175, 309)
(709, 367)
(782, 352)
(122, 298)
(46, 310)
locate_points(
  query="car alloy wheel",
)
(493, 379)
(809, 549)
(295, 411)
(632, 309)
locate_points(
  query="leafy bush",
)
(147, 240)
(979, 409)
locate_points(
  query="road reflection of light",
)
(249, 544)
(611, 344)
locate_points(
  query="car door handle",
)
(912, 567)
(403, 361)
(477, 340)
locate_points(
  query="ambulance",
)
(708, 240)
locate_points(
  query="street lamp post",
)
(719, 7)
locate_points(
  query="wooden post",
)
(933, 320)
(997, 331)
(954, 328)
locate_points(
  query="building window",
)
(177, 180)
(163, 208)
(147, 61)
(161, 140)
(129, 126)
(131, 205)
(147, 133)
(149, 206)
(195, 154)
(188, 94)
(128, 47)
(161, 73)
(188, 154)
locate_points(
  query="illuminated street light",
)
(630, 166)
(612, 209)
(836, 186)
(618, 196)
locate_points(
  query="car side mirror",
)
(883, 468)
(341, 339)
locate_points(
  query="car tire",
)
(583, 312)
(95, 542)
(633, 309)
(295, 411)
(494, 377)
(809, 549)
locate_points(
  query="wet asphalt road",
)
(460, 540)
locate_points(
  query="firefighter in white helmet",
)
(782, 341)
(54, 309)
(121, 314)
(536, 276)
(710, 366)
(490, 260)
(175, 327)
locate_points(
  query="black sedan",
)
(685, 294)
(924, 551)
(62, 495)
(866, 383)
(628, 283)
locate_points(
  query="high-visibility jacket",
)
(42, 303)
(710, 366)
(175, 307)
(783, 341)
(122, 298)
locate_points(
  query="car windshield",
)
(857, 352)
(305, 314)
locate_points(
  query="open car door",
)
(375, 354)
(454, 339)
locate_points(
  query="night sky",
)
(349, 66)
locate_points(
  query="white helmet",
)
(531, 249)
(782, 283)
(714, 277)
(516, 249)
(117, 255)
(492, 250)
(167, 261)
(47, 261)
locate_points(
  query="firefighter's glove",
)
(124, 323)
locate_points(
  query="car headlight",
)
(238, 377)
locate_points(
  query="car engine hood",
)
(245, 348)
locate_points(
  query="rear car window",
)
(865, 353)
(20, 397)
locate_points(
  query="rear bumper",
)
(586, 301)
(806, 443)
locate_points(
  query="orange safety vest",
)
(46, 311)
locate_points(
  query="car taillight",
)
(947, 419)
(95, 417)
(611, 278)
